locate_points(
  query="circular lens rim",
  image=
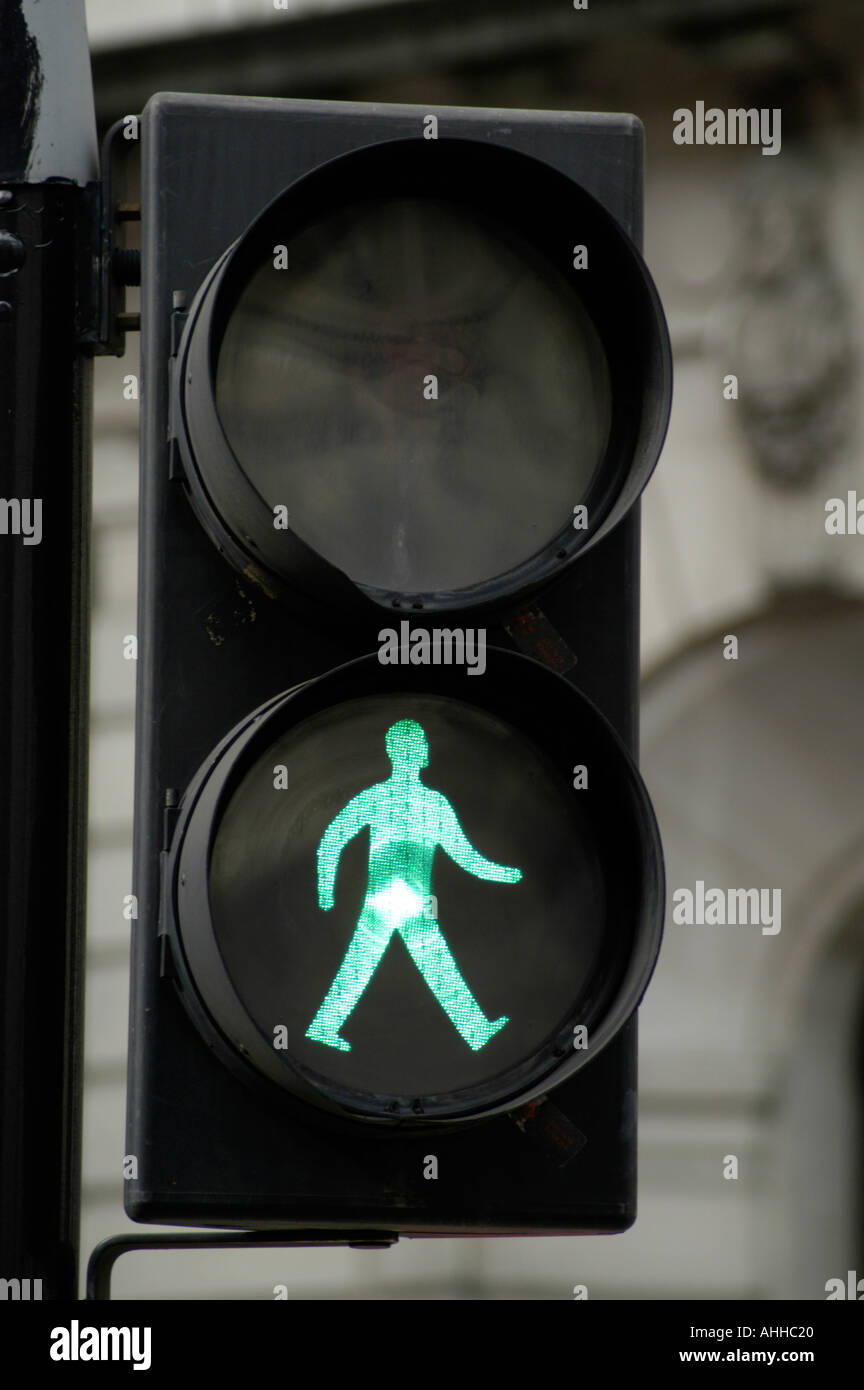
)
(519, 684)
(521, 193)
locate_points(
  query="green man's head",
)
(406, 745)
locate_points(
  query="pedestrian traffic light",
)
(399, 883)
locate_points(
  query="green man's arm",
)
(341, 829)
(460, 849)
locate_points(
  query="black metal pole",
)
(47, 154)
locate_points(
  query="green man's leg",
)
(433, 959)
(365, 950)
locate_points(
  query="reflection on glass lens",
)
(424, 393)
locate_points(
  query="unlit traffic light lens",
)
(423, 392)
(431, 374)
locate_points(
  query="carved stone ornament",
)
(790, 339)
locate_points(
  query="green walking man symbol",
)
(407, 821)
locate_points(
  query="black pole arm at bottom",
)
(100, 1266)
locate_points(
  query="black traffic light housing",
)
(241, 652)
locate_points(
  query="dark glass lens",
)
(423, 392)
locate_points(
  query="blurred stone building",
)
(751, 1043)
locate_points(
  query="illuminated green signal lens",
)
(417, 905)
(407, 821)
